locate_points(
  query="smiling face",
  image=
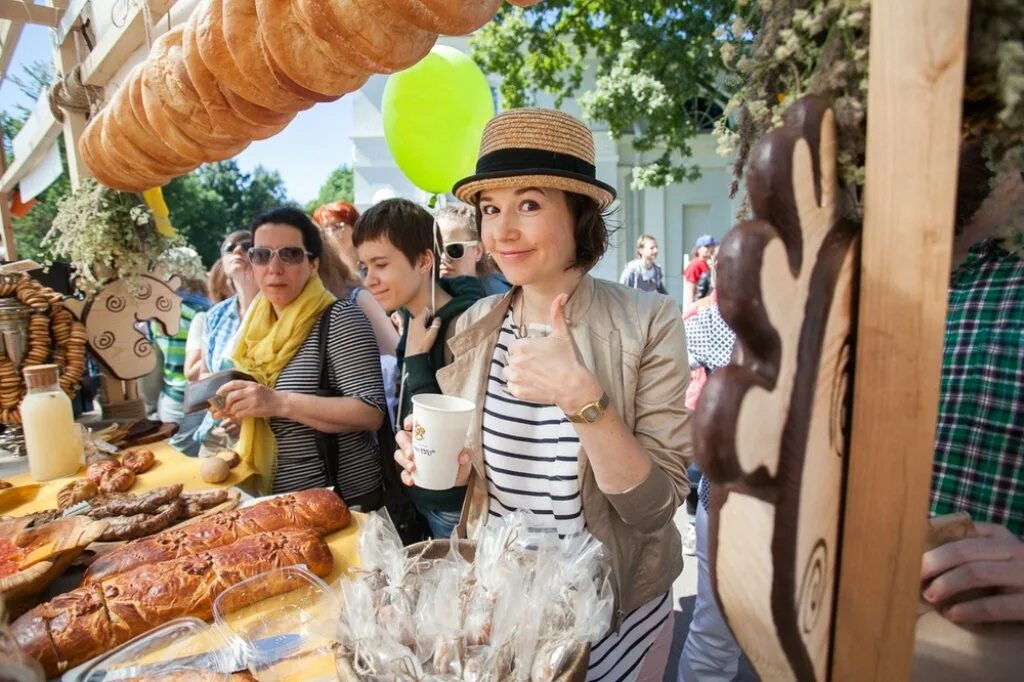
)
(389, 275)
(452, 232)
(529, 233)
(648, 251)
(280, 282)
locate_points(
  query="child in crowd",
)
(395, 240)
(463, 253)
(643, 273)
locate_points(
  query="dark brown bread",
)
(127, 504)
(318, 509)
(141, 525)
(86, 622)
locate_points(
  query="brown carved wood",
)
(771, 429)
(111, 317)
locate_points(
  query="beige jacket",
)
(633, 342)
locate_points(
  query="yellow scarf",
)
(266, 344)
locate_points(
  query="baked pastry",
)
(141, 525)
(318, 509)
(197, 503)
(449, 17)
(117, 480)
(368, 33)
(231, 457)
(126, 504)
(85, 622)
(75, 492)
(95, 471)
(139, 461)
(4, 485)
(302, 56)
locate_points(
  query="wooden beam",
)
(49, 129)
(117, 45)
(69, 20)
(6, 223)
(66, 59)
(29, 13)
(10, 32)
(915, 90)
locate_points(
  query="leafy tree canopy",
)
(654, 61)
(340, 186)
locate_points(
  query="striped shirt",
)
(173, 348)
(354, 372)
(531, 458)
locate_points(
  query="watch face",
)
(591, 413)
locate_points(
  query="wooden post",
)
(10, 251)
(74, 122)
(914, 99)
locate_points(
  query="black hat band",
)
(510, 160)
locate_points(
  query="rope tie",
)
(71, 94)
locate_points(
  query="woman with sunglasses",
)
(283, 411)
(463, 254)
(579, 383)
(220, 332)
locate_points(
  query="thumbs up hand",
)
(547, 371)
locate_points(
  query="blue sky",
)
(304, 153)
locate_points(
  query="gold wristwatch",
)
(591, 412)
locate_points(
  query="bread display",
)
(95, 471)
(198, 503)
(78, 625)
(317, 509)
(239, 70)
(77, 491)
(214, 470)
(139, 461)
(117, 480)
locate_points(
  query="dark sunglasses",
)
(456, 250)
(289, 255)
(231, 246)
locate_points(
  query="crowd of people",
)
(583, 388)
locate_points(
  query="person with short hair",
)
(463, 253)
(578, 383)
(643, 272)
(398, 252)
(282, 410)
(697, 267)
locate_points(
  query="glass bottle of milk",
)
(52, 439)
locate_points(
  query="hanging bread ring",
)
(304, 58)
(449, 17)
(368, 32)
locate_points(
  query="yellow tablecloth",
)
(172, 466)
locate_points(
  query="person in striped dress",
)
(579, 383)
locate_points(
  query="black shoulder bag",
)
(392, 496)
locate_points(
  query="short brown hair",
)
(218, 283)
(408, 226)
(590, 229)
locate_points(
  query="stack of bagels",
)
(240, 70)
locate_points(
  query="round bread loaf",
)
(450, 17)
(241, 30)
(294, 49)
(139, 461)
(367, 32)
(117, 481)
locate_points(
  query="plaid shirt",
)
(979, 443)
(222, 323)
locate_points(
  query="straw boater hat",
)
(536, 148)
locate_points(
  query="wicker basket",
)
(438, 549)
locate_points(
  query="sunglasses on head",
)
(456, 250)
(231, 246)
(289, 255)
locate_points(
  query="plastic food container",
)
(185, 645)
(286, 636)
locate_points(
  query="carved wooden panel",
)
(113, 320)
(771, 428)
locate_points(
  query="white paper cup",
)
(439, 427)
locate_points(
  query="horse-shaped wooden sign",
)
(113, 318)
(772, 428)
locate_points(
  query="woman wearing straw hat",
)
(579, 383)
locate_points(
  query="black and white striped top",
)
(531, 460)
(354, 372)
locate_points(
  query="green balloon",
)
(434, 116)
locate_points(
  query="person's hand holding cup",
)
(430, 449)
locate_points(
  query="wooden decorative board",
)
(112, 315)
(772, 428)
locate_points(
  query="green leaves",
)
(340, 186)
(635, 66)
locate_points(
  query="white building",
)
(676, 215)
